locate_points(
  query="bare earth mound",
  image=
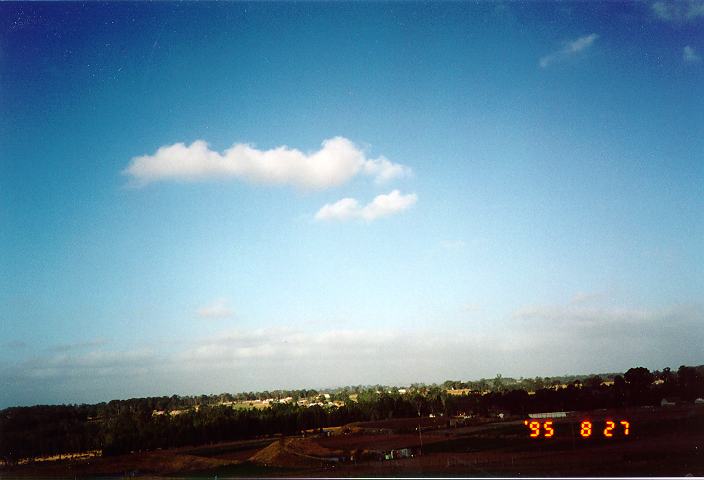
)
(294, 452)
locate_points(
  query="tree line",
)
(122, 426)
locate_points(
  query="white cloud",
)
(384, 170)
(218, 309)
(679, 11)
(453, 244)
(340, 345)
(337, 161)
(569, 50)
(586, 297)
(67, 347)
(472, 308)
(690, 55)
(382, 206)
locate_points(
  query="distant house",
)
(403, 453)
(548, 415)
(459, 391)
(456, 422)
(398, 453)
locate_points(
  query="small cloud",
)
(678, 12)
(453, 244)
(384, 170)
(335, 163)
(690, 55)
(585, 297)
(382, 206)
(67, 347)
(216, 310)
(569, 50)
(471, 308)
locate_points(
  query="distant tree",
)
(538, 383)
(418, 402)
(516, 401)
(594, 382)
(689, 382)
(639, 381)
(498, 383)
(638, 378)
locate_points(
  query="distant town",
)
(359, 429)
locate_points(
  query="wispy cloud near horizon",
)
(569, 50)
(584, 339)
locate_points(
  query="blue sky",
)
(377, 193)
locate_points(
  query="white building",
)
(548, 415)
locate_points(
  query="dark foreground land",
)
(662, 441)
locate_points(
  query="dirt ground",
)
(662, 442)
